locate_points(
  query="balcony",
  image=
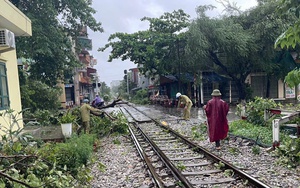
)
(85, 80)
(85, 58)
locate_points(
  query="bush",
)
(141, 97)
(73, 154)
(255, 109)
(41, 117)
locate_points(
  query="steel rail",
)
(156, 178)
(253, 181)
(177, 174)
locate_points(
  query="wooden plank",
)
(186, 159)
(201, 172)
(217, 181)
(179, 153)
(172, 149)
(197, 164)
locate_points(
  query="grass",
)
(262, 134)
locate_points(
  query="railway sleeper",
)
(217, 181)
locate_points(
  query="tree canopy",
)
(235, 44)
(238, 44)
(154, 50)
(291, 36)
(55, 26)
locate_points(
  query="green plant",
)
(116, 141)
(289, 153)
(34, 93)
(255, 109)
(53, 165)
(67, 117)
(234, 151)
(141, 97)
(72, 154)
(181, 166)
(101, 167)
(229, 173)
(262, 135)
(12, 131)
(256, 150)
(104, 126)
(199, 132)
(219, 165)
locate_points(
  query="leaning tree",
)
(159, 50)
(238, 44)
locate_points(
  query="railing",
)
(276, 123)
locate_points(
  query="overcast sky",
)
(124, 16)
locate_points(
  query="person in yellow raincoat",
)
(183, 99)
(85, 112)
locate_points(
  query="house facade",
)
(85, 77)
(13, 23)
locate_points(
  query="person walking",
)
(216, 112)
(183, 99)
(85, 112)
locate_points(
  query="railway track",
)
(174, 161)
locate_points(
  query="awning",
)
(213, 77)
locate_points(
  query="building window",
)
(4, 97)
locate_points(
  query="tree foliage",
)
(55, 24)
(38, 95)
(291, 36)
(238, 44)
(155, 50)
(105, 92)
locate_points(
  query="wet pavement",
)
(196, 113)
(157, 112)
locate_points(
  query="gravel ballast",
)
(123, 167)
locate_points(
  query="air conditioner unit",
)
(7, 40)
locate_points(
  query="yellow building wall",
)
(13, 19)
(281, 89)
(10, 60)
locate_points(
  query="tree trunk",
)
(111, 104)
(268, 88)
(241, 86)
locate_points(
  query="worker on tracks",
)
(216, 112)
(186, 101)
(85, 111)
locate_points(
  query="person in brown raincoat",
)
(85, 111)
(183, 99)
(216, 111)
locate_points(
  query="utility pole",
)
(96, 78)
(126, 73)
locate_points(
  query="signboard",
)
(289, 92)
(68, 85)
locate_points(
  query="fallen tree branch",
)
(111, 104)
(15, 180)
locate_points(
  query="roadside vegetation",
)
(256, 128)
(29, 162)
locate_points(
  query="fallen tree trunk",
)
(111, 104)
